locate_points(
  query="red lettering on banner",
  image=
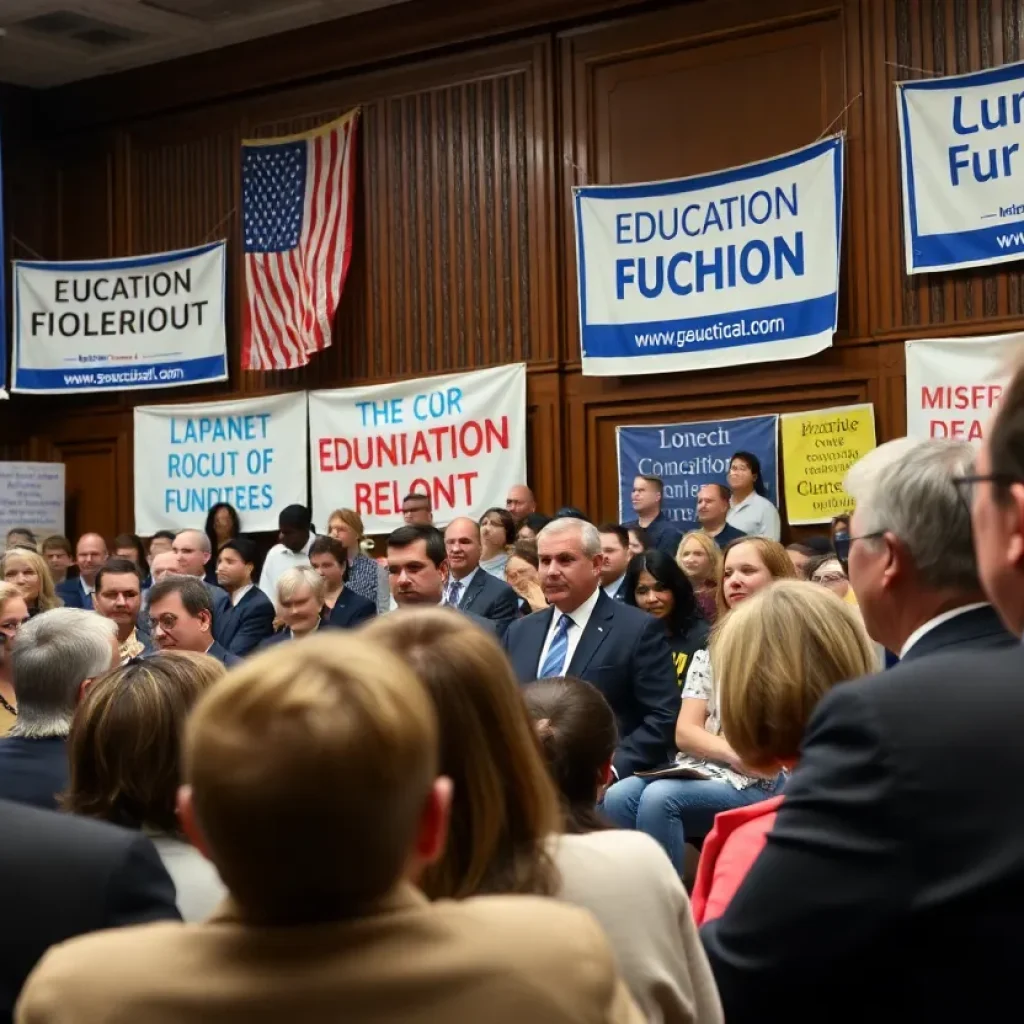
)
(977, 396)
(383, 497)
(957, 430)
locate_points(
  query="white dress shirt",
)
(463, 586)
(937, 621)
(580, 617)
(280, 558)
(756, 517)
(237, 595)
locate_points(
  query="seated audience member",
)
(28, 572)
(523, 575)
(531, 525)
(250, 618)
(497, 535)
(520, 502)
(13, 615)
(365, 577)
(300, 604)
(59, 555)
(619, 649)
(674, 810)
(192, 550)
(700, 557)
(118, 597)
(418, 564)
(222, 524)
(915, 576)
(181, 614)
(840, 533)
(162, 565)
(342, 607)
(416, 510)
(312, 786)
(295, 535)
(827, 571)
(130, 546)
(90, 554)
(54, 657)
(125, 767)
(161, 542)
(646, 497)
(470, 587)
(637, 540)
(66, 876)
(806, 643)
(712, 509)
(750, 511)
(614, 559)
(571, 512)
(800, 554)
(21, 537)
(655, 584)
(507, 833)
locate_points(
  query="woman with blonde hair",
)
(701, 559)
(364, 577)
(124, 752)
(31, 575)
(507, 827)
(807, 641)
(13, 615)
(301, 592)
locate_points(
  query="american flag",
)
(297, 202)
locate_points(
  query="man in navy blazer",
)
(167, 564)
(619, 649)
(250, 615)
(181, 614)
(90, 554)
(470, 588)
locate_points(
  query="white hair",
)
(51, 656)
(590, 538)
(905, 487)
(300, 576)
(202, 541)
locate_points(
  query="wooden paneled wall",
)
(476, 124)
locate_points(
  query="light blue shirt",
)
(756, 517)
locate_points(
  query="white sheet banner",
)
(143, 322)
(32, 496)
(250, 453)
(955, 384)
(461, 439)
(722, 269)
(963, 169)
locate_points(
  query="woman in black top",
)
(655, 584)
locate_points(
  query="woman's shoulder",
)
(593, 852)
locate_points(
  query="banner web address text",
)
(742, 328)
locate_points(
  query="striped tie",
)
(454, 590)
(554, 663)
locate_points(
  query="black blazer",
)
(623, 652)
(223, 655)
(978, 629)
(487, 597)
(247, 623)
(33, 772)
(892, 884)
(350, 609)
(64, 876)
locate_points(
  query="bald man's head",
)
(90, 554)
(520, 501)
(192, 550)
(164, 563)
(462, 543)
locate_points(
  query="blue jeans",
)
(674, 810)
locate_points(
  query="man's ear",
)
(189, 824)
(443, 570)
(207, 619)
(84, 689)
(1015, 550)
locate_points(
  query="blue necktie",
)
(453, 593)
(554, 663)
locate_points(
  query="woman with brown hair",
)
(30, 574)
(124, 751)
(507, 828)
(522, 574)
(13, 615)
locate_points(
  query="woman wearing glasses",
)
(13, 615)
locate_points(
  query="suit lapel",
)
(526, 655)
(476, 584)
(594, 635)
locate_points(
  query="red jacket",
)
(729, 851)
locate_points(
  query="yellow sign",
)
(817, 450)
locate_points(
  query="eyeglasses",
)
(828, 578)
(965, 484)
(842, 544)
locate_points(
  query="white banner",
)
(963, 169)
(460, 438)
(723, 269)
(32, 496)
(249, 453)
(143, 322)
(955, 384)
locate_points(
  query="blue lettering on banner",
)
(688, 455)
(714, 270)
(962, 169)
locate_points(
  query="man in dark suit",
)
(470, 588)
(168, 564)
(66, 876)
(54, 657)
(619, 649)
(90, 554)
(614, 559)
(418, 570)
(250, 616)
(182, 616)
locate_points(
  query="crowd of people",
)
(525, 767)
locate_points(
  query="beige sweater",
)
(628, 883)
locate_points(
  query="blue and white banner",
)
(735, 267)
(688, 455)
(963, 169)
(142, 322)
